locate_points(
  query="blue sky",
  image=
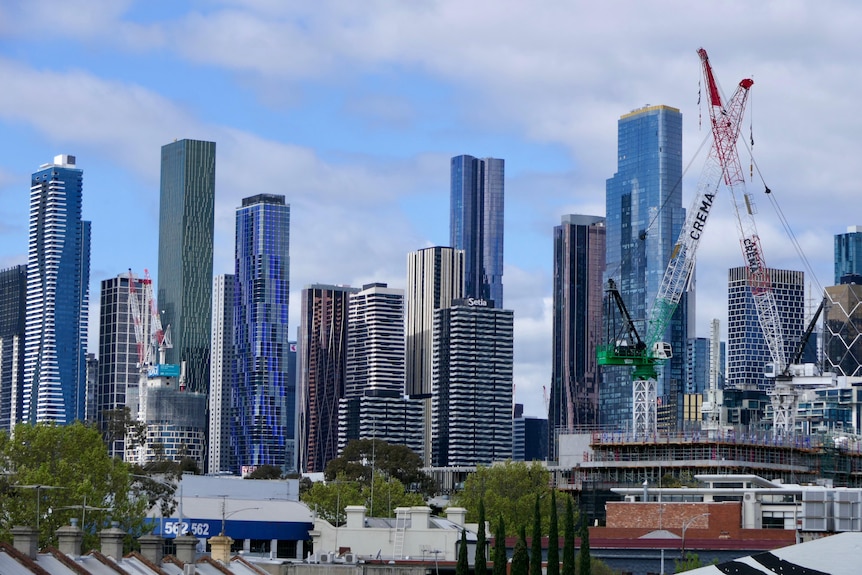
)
(353, 109)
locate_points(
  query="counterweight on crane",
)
(645, 354)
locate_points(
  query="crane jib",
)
(701, 216)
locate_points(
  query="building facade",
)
(322, 348)
(471, 401)
(221, 375)
(476, 224)
(58, 278)
(747, 352)
(262, 401)
(186, 212)
(848, 253)
(644, 218)
(13, 306)
(579, 263)
(842, 330)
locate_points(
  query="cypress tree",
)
(584, 555)
(480, 563)
(553, 567)
(569, 540)
(462, 567)
(500, 559)
(536, 549)
(521, 559)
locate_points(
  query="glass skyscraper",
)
(58, 279)
(186, 212)
(262, 400)
(221, 375)
(644, 217)
(476, 224)
(579, 262)
(848, 253)
(13, 306)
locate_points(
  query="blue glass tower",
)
(58, 279)
(263, 397)
(644, 217)
(13, 306)
(476, 224)
(848, 253)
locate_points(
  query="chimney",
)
(112, 541)
(26, 540)
(355, 516)
(220, 548)
(152, 546)
(419, 517)
(456, 515)
(186, 548)
(69, 538)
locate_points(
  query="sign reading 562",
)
(196, 528)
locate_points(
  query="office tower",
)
(471, 401)
(186, 254)
(842, 330)
(261, 400)
(374, 405)
(119, 377)
(644, 216)
(322, 361)
(221, 375)
(58, 278)
(747, 352)
(848, 253)
(697, 365)
(579, 262)
(476, 224)
(529, 437)
(13, 305)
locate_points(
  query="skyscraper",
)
(644, 217)
(186, 212)
(848, 253)
(476, 224)
(221, 375)
(471, 401)
(262, 400)
(322, 364)
(58, 277)
(579, 262)
(747, 352)
(13, 305)
(842, 334)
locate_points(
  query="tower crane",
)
(645, 354)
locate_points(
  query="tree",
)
(462, 567)
(553, 567)
(265, 472)
(584, 567)
(520, 558)
(569, 540)
(536, 547)
(329, 499)
(500, 558)
(689, 562)
(509, 490)
(480, 563)
(396, 461)
(55, 473)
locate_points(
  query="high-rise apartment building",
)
(747, 351)
(13, 306)
(476, 224)
(219, 451)
(848, 253)
(529, 437)
(374, 404)
(58, 278)
(186, 212)
(322, 366)
(579, 262)
(644, 216)
(471, 401)
(262, 399)
(119, 377)
(842, 330)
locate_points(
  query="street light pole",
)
(685, 525)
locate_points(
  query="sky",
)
(352, 111)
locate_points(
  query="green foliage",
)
(691, 561)
(520, 558)
(536, 542)
(395, 461)
(584, 559)
(569, 540)
(329, 499)
(480, 563)
(509, 490)
(500, 558)
(462, 567)
(265, 472)
(553, 567)
(76, 478)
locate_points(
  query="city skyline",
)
(363, 131)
